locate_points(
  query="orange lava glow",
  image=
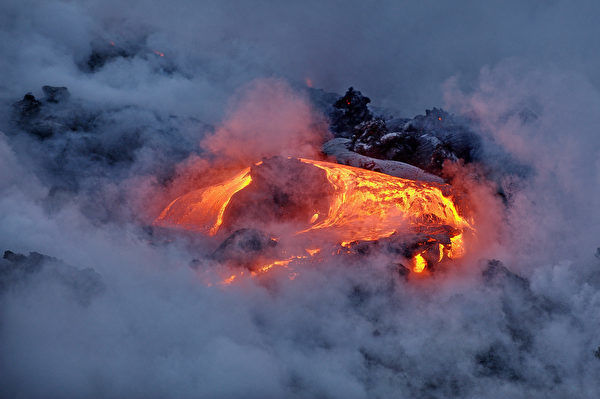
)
(363, 206)
(203, 209)
(369, 205)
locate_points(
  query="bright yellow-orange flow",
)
(203, 209)
(368, 205)
(419, 263)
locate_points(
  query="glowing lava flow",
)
(203, 209)
(364, 206)
(370, 205)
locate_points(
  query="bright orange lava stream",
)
(370, 205)
(203, 209)
(365, 206)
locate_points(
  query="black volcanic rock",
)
(524, 310)
(46, 118)
(244, 245)
(426, 141)
(349, 111)
(19, 263)
(497, 274)
(104, 52)
(28, 107)
(71, 139)
(497, 362)
(55, 94)
(18, 272)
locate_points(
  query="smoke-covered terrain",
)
(109, 111)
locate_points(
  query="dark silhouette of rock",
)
(524, 310)
(497, 362)
(28, 107)
(36, 118)
(243, 246)
(349, 111)
(104, 52)
(56, 94)
(18, 271)
(426, 141)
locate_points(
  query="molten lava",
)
(419, 263)
(203, 209)
(362, 205)
(369, 205)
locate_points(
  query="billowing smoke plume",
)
(94, 302)
(268, 118)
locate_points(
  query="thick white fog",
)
(159, 93)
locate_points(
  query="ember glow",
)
(363, 206)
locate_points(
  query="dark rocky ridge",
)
(425, 141)
(77, 139)
(71, 142)
(18, 272)
(105, 52)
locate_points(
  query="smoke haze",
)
(118, 311)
